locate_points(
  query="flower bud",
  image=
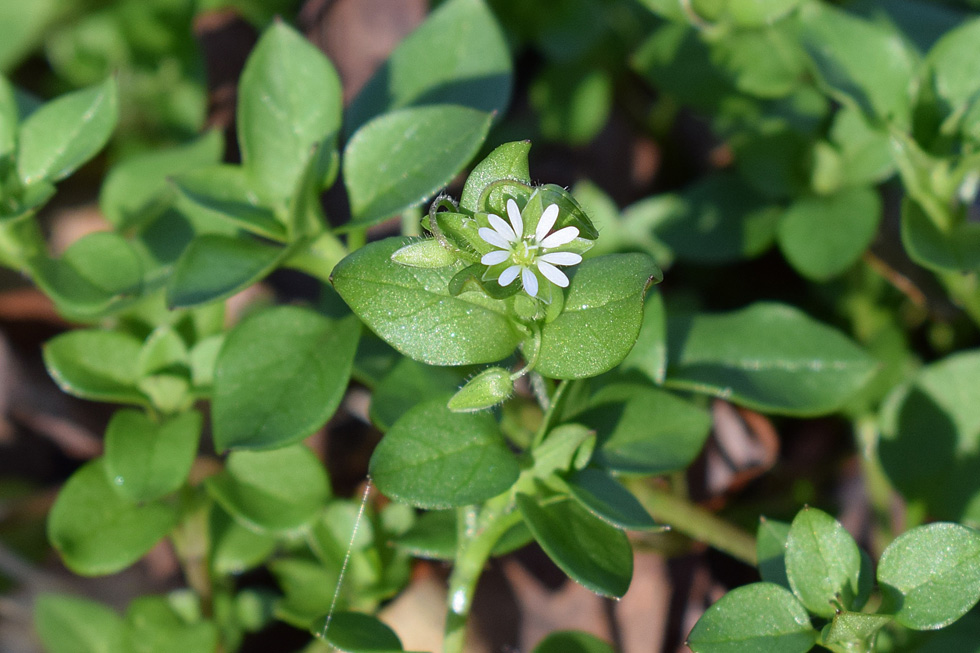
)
(486, 389)
(426, 253)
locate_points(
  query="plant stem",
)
(476, 538)
(356, 238)
(696, 522)
(412, 222)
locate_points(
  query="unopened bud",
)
(486, 389)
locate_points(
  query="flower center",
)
(524, 253)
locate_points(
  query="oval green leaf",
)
(590, 551)
(155, 626)
(279, 377)
(756, 617)
(70, 624)
(95, 364)
(607, 499)
(97, 531)
(572, 641)
(601, 319)
(271, 491)
(146, 459)
(507, 161)
(823, 562)
(435, 458)
(412, 309)
(769, 357)
(931, 575)
(401, 158)
(353, 632)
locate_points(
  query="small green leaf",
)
(572, 641)
(234, 548)
(756, 13)
(407, 384)
(955, 249)
(459, 55)
(136, 191)
(607, 499)
(308, 588)
(485, 390)
(601, 318)
(214, 267)
(860, 61)
(426, 253)
(854, 629)
(224, 196)
(434, 458)
(768, 356)
(154, 626)
(643, 430)
(280, 376)
(649, 354)
(766, 63)
(289, 99)
(146, 459)
(823, 236)
(589, 550)
(271, 491)
(507, 161)
(931, 575)
(353, 632)
(401, 158)
(69, 624)
(412, 309)
(8, 118)
(954, 67)
(771, 551)
(96, 530)
(930, 434)
(95, 364)
(756, 617)
(560, 450)
(97, 273)
(66, 132)
(823, 563)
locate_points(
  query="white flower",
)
(526, 252)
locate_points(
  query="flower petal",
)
(495, 257)
(561, 258)
(514, 214)
(508, 275)
(546, 222)
(560, 237)
(530, 282)
(494, 238)
(502, 228)
(552, 274)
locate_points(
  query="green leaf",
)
(768, 356)
(930, 434)
(96, 274)
(601, 318)
(766, 63)
(770, 551)
(69, 624)
(860, 61)
(459, 55)
(507, 161)
(353, 632)
(95, 364)
(97, 531)
(308, 587)
(154, 626)
(649, 354)
(271, 491)
(755, 13)
(590, 551)
(215, 267)
(434, 458)
(643, 430)
(412, 310)
(8, 118)
(289, 99)
(822, 562)
(66, 132)
(722, 220)
(756, 617)
(433, 536)
(137, 190)
(407, 384)
(607, 499)
(955, 69)
(854, 629)
(572, 101)
(955, 249)
(401, 158)
(931, 575)
(823, 236)
(224, 196)
(280, 376)
(146, 459)
(234, 548)
(572, 641)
